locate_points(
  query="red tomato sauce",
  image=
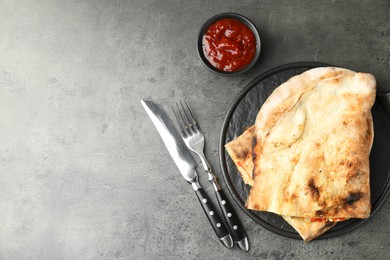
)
(326, 220)
(229, 45)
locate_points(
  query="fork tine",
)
(181, 115)
(178, 121)
(192, 116)
(191, 124)
(182, 122)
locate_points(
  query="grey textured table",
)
(84, 174)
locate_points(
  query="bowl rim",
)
(236, 16)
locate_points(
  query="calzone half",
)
(313, 137)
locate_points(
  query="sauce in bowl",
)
(229, 45)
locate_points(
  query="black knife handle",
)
(212, 215)
(235, 227)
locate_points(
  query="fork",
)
(195, 141)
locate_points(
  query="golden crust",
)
(240, 150)
(313, 139)
(307, 229)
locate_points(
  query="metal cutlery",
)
(195, 141)
(186, 164)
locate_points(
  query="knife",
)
(187, 167)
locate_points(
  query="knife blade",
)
(186, 165)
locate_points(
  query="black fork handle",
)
(215, 220)
(232, 221)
